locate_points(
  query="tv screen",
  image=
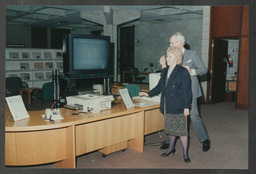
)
(87, 55)
(90, 53)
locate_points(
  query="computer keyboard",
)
(154, 99)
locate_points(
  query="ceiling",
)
(68, 17)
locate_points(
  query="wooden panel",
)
(242, 99)
(226, 21)
(10, 149)
(138, 142)
(245, 21)
(96, 135)
(30, 148)
(70, 161)
(154, 121)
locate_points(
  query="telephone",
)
(52, 114)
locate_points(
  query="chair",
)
(133, 89)
(138, 79)
(48, 91)
(46, 94)
(13, 86)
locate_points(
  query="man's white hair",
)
(179, 37)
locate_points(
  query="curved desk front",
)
(35, 141)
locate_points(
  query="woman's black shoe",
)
(187, 160)
(167, 154)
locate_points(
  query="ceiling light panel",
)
(12, 13)
(23, 8)
(57, 11)
(18, 23)
(31, 21)
(190, 8)
(40, 16)
(163, 11)
(188, 15)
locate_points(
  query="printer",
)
(90, 102)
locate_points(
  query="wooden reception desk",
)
(35, 141)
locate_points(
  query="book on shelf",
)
(47, 55)
(48, 65)
(39, 76)
(12, 75)
(13, 54)
(38, 65)
(48, 75)
(59, 54)
(25, 76)
(25, 55)
(37, 55)
(59, 65)
(24, 65)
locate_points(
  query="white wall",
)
(233, 48)
(154, 39)
(205, 44)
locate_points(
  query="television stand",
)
(73, 84)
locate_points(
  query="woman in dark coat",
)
(175, 88)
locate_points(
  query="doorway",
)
(223, 70)
(126, 49)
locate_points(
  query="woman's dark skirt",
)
(175, 124)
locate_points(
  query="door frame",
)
(125, 61)
(210, 64)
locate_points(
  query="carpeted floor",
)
(228, 131)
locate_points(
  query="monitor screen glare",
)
(90, 54)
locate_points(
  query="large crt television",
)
(86, 55)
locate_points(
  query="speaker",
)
(56, 87)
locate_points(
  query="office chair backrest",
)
(133, 89)
(136, 72)
(47, 91)
(13, 86)
(137, 77)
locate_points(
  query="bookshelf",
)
(33, 66)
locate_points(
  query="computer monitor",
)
(153, 80)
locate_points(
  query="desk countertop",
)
(36, 122)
